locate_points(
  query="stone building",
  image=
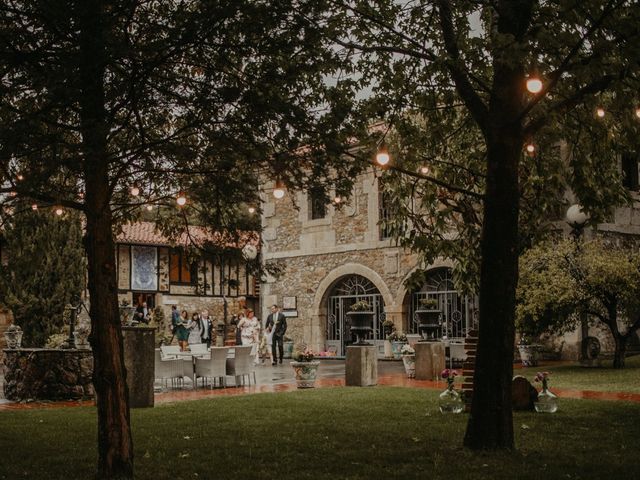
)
(154, 270)
(333, 257)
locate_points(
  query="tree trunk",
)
(620, 350)
(115, 446)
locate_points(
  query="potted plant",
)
(397, 339)
(428, 315)
(529, 352)
(361, 317)
(387, 328)
(305, 368)
(409, 360)
(450, 401)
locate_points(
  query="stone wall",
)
(47, 374)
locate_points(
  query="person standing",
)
(207, 328)
(249, 331)
(278, 323)
(194, 326)
(179, 323)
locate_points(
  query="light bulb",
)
(20, 177)
(13, 193)
(424, 170)
(34, 207)
(600, 112)
(382, 157)
(135, 191)
(59, 211)
(337, 199)
(534, 85)
(181, 200)
(149, 207)
(638, 112)
(278, 191)
(531, 148)
(252, 210)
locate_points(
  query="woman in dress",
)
(181, 331)
(265, 343)
(195, 329)
(254, 330)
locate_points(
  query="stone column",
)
(139, 361)
(430, 360)
(361, 366)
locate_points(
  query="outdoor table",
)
(193, 356)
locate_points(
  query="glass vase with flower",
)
(450, 401)
(547, 401)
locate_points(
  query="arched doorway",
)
(458, 311)
(344, 293)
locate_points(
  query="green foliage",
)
(361, 306)
(563, 278)
(45, 269)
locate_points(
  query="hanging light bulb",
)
(382, 157)
(531, 148)
(600, 112)
(534, 84)
(13, 193)
(252, 210)
(135, 191)
(337, 199)
(59, 211)
(34, 207)
(20, 177)
(149, 207)
(278, 191)
(638, 112)
(424, 170)
(181, 200)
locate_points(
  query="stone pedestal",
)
(139, 358)
(430, 360)
(361, 369)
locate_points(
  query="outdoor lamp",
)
(534, 85)
(382, 157)
(278, 191)
(181, 199)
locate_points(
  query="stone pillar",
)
(361, 369)
(430, 360)
(139, 360)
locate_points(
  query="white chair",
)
(214, 367)
(169, 352)
(198, 348)
(242, 364)
(168, 370)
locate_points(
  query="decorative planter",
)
(546, 402)
(13, 336)
(361, 325)
(288, 349)
(409, 361)
(396, 349)
(450, 401)
(429, 323)
(529, 355)
(306, 373)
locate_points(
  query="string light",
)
(638, 112)
(34, 207)
(149, 207)
(181, 200)
(135, 191)
(252, 210)
(278, 191)
(600, 112)
(59, 211)
(531, 148)
(382, 157)
(424, 170)
(337, 199)
(534, 85)
(13, 193)
(20, 177)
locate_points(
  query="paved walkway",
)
(330, 374)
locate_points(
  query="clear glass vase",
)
(450, 401)
(546, 402)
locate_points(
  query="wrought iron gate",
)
(344, 294)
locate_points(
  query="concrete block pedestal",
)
(139, 360)
(361, 366)
(430, 360)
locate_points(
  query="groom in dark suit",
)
(278, 322)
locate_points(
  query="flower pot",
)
(305, 373)
(546, 402)
(396, 349)
(13, 336)
(409, 361)
(361, 325)
(450, 401)
(529, 355)
(428, 323)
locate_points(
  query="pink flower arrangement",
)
(449, 375)
(542, 377)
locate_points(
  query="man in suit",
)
(277, 322)
(207, 328)
(143, 314)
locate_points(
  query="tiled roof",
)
(146, 233)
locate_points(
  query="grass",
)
(604, 379)
(331, 433)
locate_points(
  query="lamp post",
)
(577, 220)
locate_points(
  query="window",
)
(630, 167)
(317, 203)
(180, 270)
(384, 211)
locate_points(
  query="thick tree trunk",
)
(115, 447)
(620, 350)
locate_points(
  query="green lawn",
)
(331, 433)
(604, 379)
